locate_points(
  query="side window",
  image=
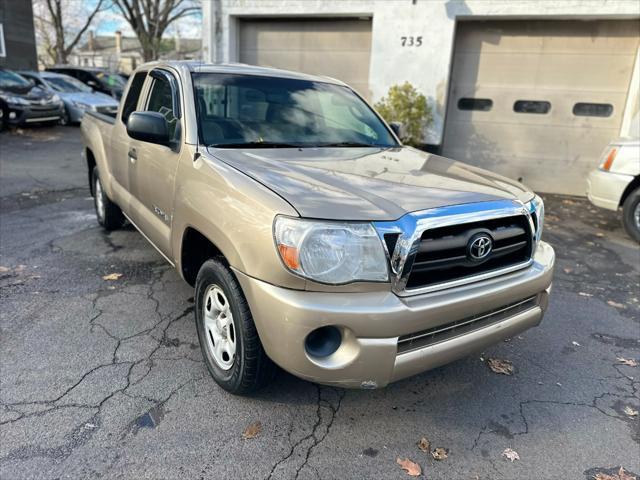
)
(161, 100)
(477, 104)
(592, 109)
(131, 101)
(531, 106)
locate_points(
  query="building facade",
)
(123, 54)
(533, 90)
(17, 36)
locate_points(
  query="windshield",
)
(10, 79)
(111, 80)
(244, 110)
(66, 84)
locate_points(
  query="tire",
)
(65, 120)
(4, 117)
(231, 329)
(631, 215)
(109, 215)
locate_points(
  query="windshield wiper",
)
(256, 145)
(352, 144)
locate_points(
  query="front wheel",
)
(228, 337)
(108, 213)
(631, 215)
(4, 116)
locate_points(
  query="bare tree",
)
(60, 24)
(150, 18)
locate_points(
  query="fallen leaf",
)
(575, 344)
(411, 468)
(567, 270)
(424, 445)
(440, 453)
(624, 475)
(629, 362)
(252, 431)
(583, 294)
(112, 276)
(4, 269)
(504, 367)
(630, 411)
(615, 304)
(621, 475)
(510, 454)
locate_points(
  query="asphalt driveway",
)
(104, 378)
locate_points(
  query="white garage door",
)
(338, 48)
(539, 100)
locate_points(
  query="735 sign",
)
(411, 41)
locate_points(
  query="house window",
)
(593, 109)
(479, 104)
(531, 106)
(3, 51)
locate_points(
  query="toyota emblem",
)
(479, 247)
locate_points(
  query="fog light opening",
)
(323, 341)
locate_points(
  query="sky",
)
(111, 20)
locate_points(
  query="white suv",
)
(616, 183)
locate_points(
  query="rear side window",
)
(478, 104)
(593, 109)
(131, 101)
(531, 106)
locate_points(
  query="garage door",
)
(339, 48)
(539, 100)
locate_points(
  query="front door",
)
(152, 167)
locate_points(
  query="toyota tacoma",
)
(314, 239)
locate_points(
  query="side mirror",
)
(398, 129)
(149, 127)
(92, 84)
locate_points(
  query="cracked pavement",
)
(105, 378)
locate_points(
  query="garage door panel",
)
(606, 71)
(550, 36)
(339, 48)
(560, 62)
(560, 113)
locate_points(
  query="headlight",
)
(82, 106)
(331, 252)
(14, 100)
(536, 209)
(55, 98)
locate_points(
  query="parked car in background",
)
(22, 102)
(78, 98)
(616, 183)
(97, 78)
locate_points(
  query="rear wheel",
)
(108, 213)
(228, 337)
(631, 215)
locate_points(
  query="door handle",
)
(133, 155)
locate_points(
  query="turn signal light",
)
(289, 256)
(610, 158)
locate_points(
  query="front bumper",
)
(605, 189)
(23, 115)
(371, 324)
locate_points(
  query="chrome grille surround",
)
(411, 226)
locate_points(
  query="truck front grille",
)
(424, 338)
(444, 253)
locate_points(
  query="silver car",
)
(78, 98)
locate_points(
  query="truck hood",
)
(368, 183)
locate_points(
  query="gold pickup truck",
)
(314, 239)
